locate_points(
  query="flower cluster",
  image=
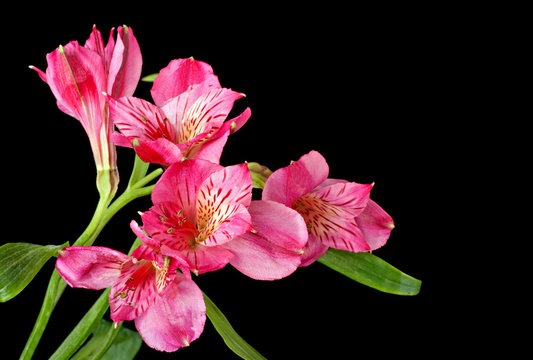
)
(203, 216)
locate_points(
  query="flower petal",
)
(200, 259)
(218, 201)
(180, 183)
(183, 75)
(125, 64)
(176, 318)
(331, 224)
(375, 224)
(134, 291)
(76, 76)
(90, 267)
(274, 249)
(209, 150)
(350, 197)
(289, 183)
(160, 151)
(227, 222)
(206, 114)
(312, 251)
(139, 119)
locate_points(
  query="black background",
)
(368, 88)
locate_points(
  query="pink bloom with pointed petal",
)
(188, 120)
(202, 214)
(167, 306)
(77, 76)
(338, 213)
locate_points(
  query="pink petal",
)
(274, 249)
(351, 197)
(209, 150)
(134, 291)
(76, 76)
(200, 259)
(120, 140)
(206, 114)
(96, 43)
(289, 183)
(160, 151)
(218, 202)
(331, 224)
(126, 64)
(180, 183)
(227, 222)
(139, 119)
(375, 224)
(176, 318)
(90, 267)
(145, 239)
(183, 75)
(41, 74)
(236, 123)
(312, 251)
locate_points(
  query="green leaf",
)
(84, 328)
(228, 334)
(19, 264)
(371, 271)
(110, 343)
(259, 174)
(150, 78)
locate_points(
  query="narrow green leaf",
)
(19, 265)
(259, 174)
(84, 328)
(125, 347)
(371, 271)
(233, 340)
(150, 78)
(110, 343)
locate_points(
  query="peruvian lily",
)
(203, 214)
(338, 213)
(167, 306)
(187, 120)
(77, 76)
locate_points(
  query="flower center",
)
(161, 278)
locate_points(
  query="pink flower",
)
(338, 213)
(167, 306)
(203, 214)
(188, 121)
(77, 76)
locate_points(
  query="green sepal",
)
(149, 78)
(371, 271)
(259, 174)
(233, 340)
(19, 264)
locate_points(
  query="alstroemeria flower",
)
(338, 213)
(202, 213)
(77, 76)
(167, 306)
(188, 119)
